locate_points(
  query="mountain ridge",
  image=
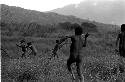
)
(20, 15)
(108, 12)
(11, 13)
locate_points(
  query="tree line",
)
(38, 30)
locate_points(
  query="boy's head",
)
(22, 41)
(78, 30)
(57, 41)
(29, 43)
(123, 27)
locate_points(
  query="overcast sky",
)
(43, 5)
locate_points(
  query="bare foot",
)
(82, 79)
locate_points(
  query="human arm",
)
(85, 41)
(84, 44)
(18, 45)
(63, 39)
(59, 45)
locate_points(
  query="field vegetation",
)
(100, 61)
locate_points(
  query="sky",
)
(42, 5)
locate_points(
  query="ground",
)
(100, 62)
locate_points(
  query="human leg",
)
(69, 62)
(23, 54)
(121, 64)
(79, 71)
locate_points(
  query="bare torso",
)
(76, 46)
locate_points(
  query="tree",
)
(66, 25)
(89, 27)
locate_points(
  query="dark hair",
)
(57, 41)
(78, 31)
(22, 40)
(29, 43)
(123, 27)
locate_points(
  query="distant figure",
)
(22, 45)
(32, 48)
(78, 42)
(121, 41)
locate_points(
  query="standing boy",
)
(120, 44)
(75, 50)
(121, 41)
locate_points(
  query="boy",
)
(32, 48)
(22, 45)
(75, 50)
(121, 41)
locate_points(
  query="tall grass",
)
(100, 62)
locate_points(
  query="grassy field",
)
(100, 62)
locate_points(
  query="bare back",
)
(76, 46)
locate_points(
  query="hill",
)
(12, 14)
(17, 14)
(106, 11)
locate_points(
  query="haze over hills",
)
(12, 14)
(110, 12)
(17, 14)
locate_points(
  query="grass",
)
(100, 62)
